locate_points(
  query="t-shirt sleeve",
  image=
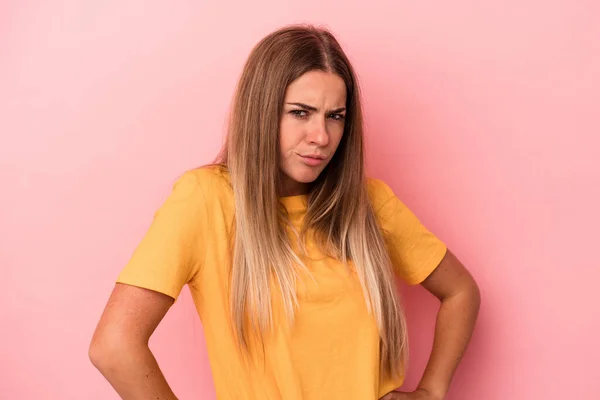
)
(172, 251)
(415, 252)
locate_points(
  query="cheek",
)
(336, 136)
(288, 137)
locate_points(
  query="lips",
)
(312, 159)
(316, 156)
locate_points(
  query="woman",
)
(289, 251)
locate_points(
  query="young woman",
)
(289, 251)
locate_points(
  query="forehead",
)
(317, 87)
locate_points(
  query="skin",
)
(312, 124)
(119, 347)
(459, 299)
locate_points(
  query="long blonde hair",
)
(339, 210)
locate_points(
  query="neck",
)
(290, 187)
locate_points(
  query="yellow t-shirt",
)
(332, 349)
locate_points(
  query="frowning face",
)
(311, 127)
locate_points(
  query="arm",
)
(119, 347)
(412, 247)
(459, 295)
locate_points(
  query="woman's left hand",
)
(419, 394)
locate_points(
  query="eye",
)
(337, 117)
(299, 113)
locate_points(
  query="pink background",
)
(483, 116)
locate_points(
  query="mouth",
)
(312, 159)
(315, 156)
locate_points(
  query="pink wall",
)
(483, 118)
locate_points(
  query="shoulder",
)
(199, 187)
(209, 179)
(206, 176)
(379, 193)
(208, 186)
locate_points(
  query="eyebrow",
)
(311, 108)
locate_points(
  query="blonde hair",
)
(339, 210)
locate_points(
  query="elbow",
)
(106, 351)
(113, 350)
(99, 353)
(474, 295)
(468, 294)
(476, 291)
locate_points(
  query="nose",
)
(317, 133)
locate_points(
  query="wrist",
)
(437, 393)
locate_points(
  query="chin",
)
(306, 176)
